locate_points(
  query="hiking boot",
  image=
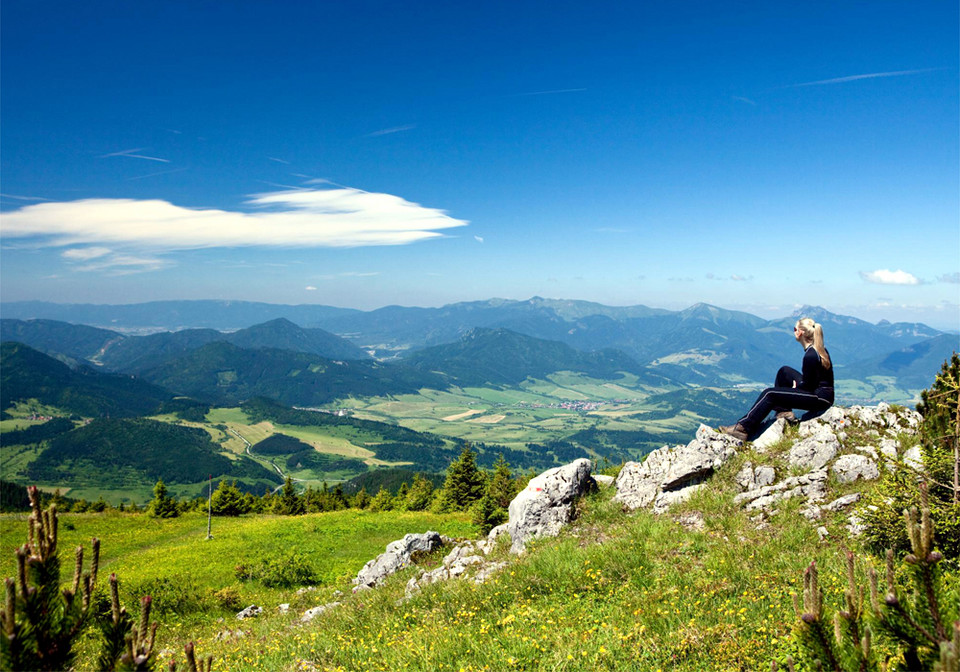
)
(737, 431)
(789, 417)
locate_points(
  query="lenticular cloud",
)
(341, 217)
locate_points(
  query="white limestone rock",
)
(849, 468)
(396, 557)
(913, 457)
(667, 474)
(811, 485)
(546, 504)
(311, 614)
(843, 502)
(751, 478)
(250, 612)
(770, 436)
(815, 451)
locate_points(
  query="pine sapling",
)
(39, 621)
(919, 621)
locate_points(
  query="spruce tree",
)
(289, 503)
(920, 621)
(464, 483)
(382, 501)
(501, 486)
(162, 505)
(420, 494)
(227, 500)
(40, 621)
(338, 498)
(361, 500)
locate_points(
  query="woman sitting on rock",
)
(811, 390)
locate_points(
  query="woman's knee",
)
(786, 376)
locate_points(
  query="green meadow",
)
(615, 591)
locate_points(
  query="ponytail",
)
(813, 331)
(818, 345)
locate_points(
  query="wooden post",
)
(209, 505)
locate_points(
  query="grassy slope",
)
(615, 591)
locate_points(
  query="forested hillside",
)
(28, 374)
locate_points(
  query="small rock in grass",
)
(250, 612)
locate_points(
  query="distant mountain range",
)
(135, 354)
(499, 342)
(502, 357)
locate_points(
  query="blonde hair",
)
(813, 331)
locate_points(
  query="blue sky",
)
(757, 156)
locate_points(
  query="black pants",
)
(784, 397)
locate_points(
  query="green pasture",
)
(875, 387)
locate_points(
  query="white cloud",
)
(131, 154)
(310, 288)
(952, 278)
(348, 274)
(388, 131)
(23, 198)
(85, 253)
(887, 277)
(479, 239)
(338, 217)
(740, 278)
(124, 264)
(869, 75)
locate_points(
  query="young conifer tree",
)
(921, 621)
(289, 503)
(464, 483)
(162, 505)
(40, 623)
(382, 501)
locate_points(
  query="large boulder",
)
(670, 475)
(397, 556)
(546, 504)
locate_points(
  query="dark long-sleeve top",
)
(816, 378)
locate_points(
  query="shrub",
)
(228, 598)
(281, 571)
(901, 488)
(176, 594)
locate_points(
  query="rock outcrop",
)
(397, 556)
(671, 475)
(464, 556)
(546, 504)
(849, 468)
(849, 444)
